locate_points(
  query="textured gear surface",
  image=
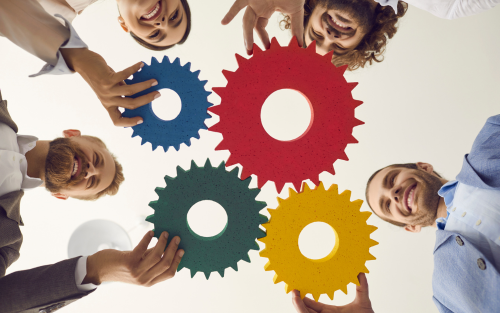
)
(346, 260)
(194, 104)
(209, 254)
(332, 108)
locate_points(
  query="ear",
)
(413, 228)
(122, 23)
(68, 133)
(59, 195)
(426, 167)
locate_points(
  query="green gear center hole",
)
(207, 217)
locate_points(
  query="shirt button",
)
(453, 210)
(459, 241)
(478, 222)
(481, 264)
(463, 214)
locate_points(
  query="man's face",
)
(405, 195)
(339, 25)
(78, 167)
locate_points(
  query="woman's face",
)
(160, 23)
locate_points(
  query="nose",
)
(91, 170)
(160, 22)
(396, 194)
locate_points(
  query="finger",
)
(170, 272)
(126, 73)
(166, 260)
(134, 103)
(237, 6)
(362, 289)
(142, 246)
(261, 31)
(146, 253)
(299, 305)
(120, 121)
(122, 89)
(248, 25)
(297, 21)
(154, 257)
(310, 303)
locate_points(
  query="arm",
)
(257, 16)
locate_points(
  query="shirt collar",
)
(448, 193)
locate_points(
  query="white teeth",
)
(75, 168)
(410, 197)
(152, 13)
(338, 23)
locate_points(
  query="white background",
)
(426, 102)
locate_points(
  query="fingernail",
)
(151, 233)
(142, 64)
(165, 234)
(154, 83)
(181, 254)
(139, 122)
(178, 240)
(249, 52)
(157, 95)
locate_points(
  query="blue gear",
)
(209, 254)
(194, 104)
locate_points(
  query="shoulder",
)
(463, 278)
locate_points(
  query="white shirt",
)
(447, 9)
(13, 177)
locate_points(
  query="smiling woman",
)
(156, 25)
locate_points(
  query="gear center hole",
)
(318, 241)
(286, 115)
(168, 106)
(207, 220)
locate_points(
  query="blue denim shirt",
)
(466, 255)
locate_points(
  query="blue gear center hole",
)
(318, 241)
(286, 115)
(168, 106)
(207, 220)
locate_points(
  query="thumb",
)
(297, 25)
(362, 296)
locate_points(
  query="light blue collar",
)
(448, 193)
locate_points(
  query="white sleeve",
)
(80, 273)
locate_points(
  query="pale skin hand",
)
(108, 85)
(361, 303)
(141, 266)
(257, 16)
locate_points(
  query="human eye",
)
(154, 35)
(175, 15)
(96, 159)
(91, 182)
(387, 206)
(316, 34)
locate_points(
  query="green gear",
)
(209, 254)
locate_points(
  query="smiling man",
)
(74, 166)
(466, 213)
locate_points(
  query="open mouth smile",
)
(339, 26)
(153, 13)
(409, 198)
(77, 167)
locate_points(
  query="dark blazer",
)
(43, 289)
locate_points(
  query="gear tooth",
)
(279, 186)
(370, 257)
(245, 182)
(207, 275)
(143, 141)
(352, 139)
(342, 69)
(229, 161)
(193, 272)
(241, 60)
(372, 242)
(357, 123)
(246, 258)
(204, 82)
(187, 66)
(347, 194)
(208, 116)
(234, 266)
(305, 187)
(328, 56)
(222, 165)
(288, 288)
(193, 165)
(277, 279)
(177, 147)
(351, 86)
(364, 215)
(343, 156)
(331, 295)
(151, 218)
(196, 73)
(256, 49)
(263, 219)
(356, 103)
(264, 253)
(294, 43)
(312, 47)
(334, 188)
(275, 43)
(219, 91)
(221, 273)
(159, 191)
(177, 61)
(227, 74)
(208, 94)
(291, 192)
(208, 164)
(180, 170)
(263, 240)
(321, 186)
(371, 228)
(168, 179)
(154, 61)
(316, 296)
(268, 266)
(245, 172)
(153, 204)
(315, 180)
(165, 58)
(235, 171)
(255, 246)
(344, 290)
(280, 201)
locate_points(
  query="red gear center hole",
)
(286, 115)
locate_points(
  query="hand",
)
(110, 86)
(361, 303)
(141, 266)
(257, 16)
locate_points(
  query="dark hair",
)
(149, 46)
(372, 46)
(412, 166)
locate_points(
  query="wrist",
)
(93, 270)
(73, 57)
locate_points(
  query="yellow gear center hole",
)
(318, 241)
(207, 220)
(286, 115)
(168, 106)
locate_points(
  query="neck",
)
(441, 211)
(36, 159)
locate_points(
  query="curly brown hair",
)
(372, 46)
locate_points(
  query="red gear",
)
(332, 117)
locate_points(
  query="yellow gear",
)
(342, 265)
